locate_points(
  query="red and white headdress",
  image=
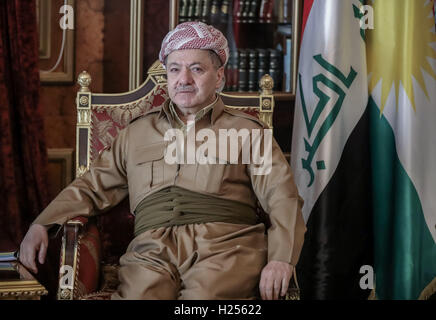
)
(195, 35)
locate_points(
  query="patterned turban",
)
(195, 35)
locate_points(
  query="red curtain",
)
(23, 157)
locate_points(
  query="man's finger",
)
(277, 287)
(42, 253)
(269, 289)
(285, 285)
(28, 259)
(32, 260)
(262, 287)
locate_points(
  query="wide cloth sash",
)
(177, 206)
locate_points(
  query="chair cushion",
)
(88, 261)
(109, 286)
(116, 231)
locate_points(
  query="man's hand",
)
(274, 280)
(35, 241)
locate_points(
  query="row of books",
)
(247, 66)
(217, 12)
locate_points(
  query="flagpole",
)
(296, 33)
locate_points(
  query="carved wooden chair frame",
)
(262, 104)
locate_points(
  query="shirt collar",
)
(215, 107)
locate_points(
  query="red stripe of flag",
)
(306, 10)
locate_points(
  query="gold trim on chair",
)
(70, 258)
(293, 292)
(83, 127)
(266, 102)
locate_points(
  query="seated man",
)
(196, 231)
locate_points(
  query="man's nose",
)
(185, 77)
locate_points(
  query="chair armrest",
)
(79, 271)
(293, 292)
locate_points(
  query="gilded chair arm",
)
(80, 259)
(293, 292)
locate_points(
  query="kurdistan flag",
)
(401, 55)
(330, 151)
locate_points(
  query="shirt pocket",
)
(149, 166)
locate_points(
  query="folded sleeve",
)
(277, 193)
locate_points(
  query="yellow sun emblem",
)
(400, 45)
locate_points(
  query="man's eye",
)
(197, 69)
(173, 69)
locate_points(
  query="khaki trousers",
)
(196, 261)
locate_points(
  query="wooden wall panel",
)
(156, 26)
(58, 100)
(60, 169)
(116, 46)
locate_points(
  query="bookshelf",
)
(263, 38)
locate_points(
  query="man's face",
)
(192, 79)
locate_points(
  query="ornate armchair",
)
(91, 247)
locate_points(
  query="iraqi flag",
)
(401, 55)
(330, 151)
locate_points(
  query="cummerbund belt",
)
(176, 206)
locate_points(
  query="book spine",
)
(225, 7)
(262, 11)
(246, 11)
(215, 11)
(262, 63)
(287, 13)
(253, 14)
(183, 11)
(268, 11)
(191, 8)
(252, 71)
(279, 10)
(287, 72)
(275, 68)
(198, 10)
(234, 71)
(205, 10)
(243, 74)
(284, 11)
(238, 10)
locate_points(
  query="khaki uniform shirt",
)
(134, 166)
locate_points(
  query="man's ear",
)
(220, 77)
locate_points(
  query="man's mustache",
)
(187, 88)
